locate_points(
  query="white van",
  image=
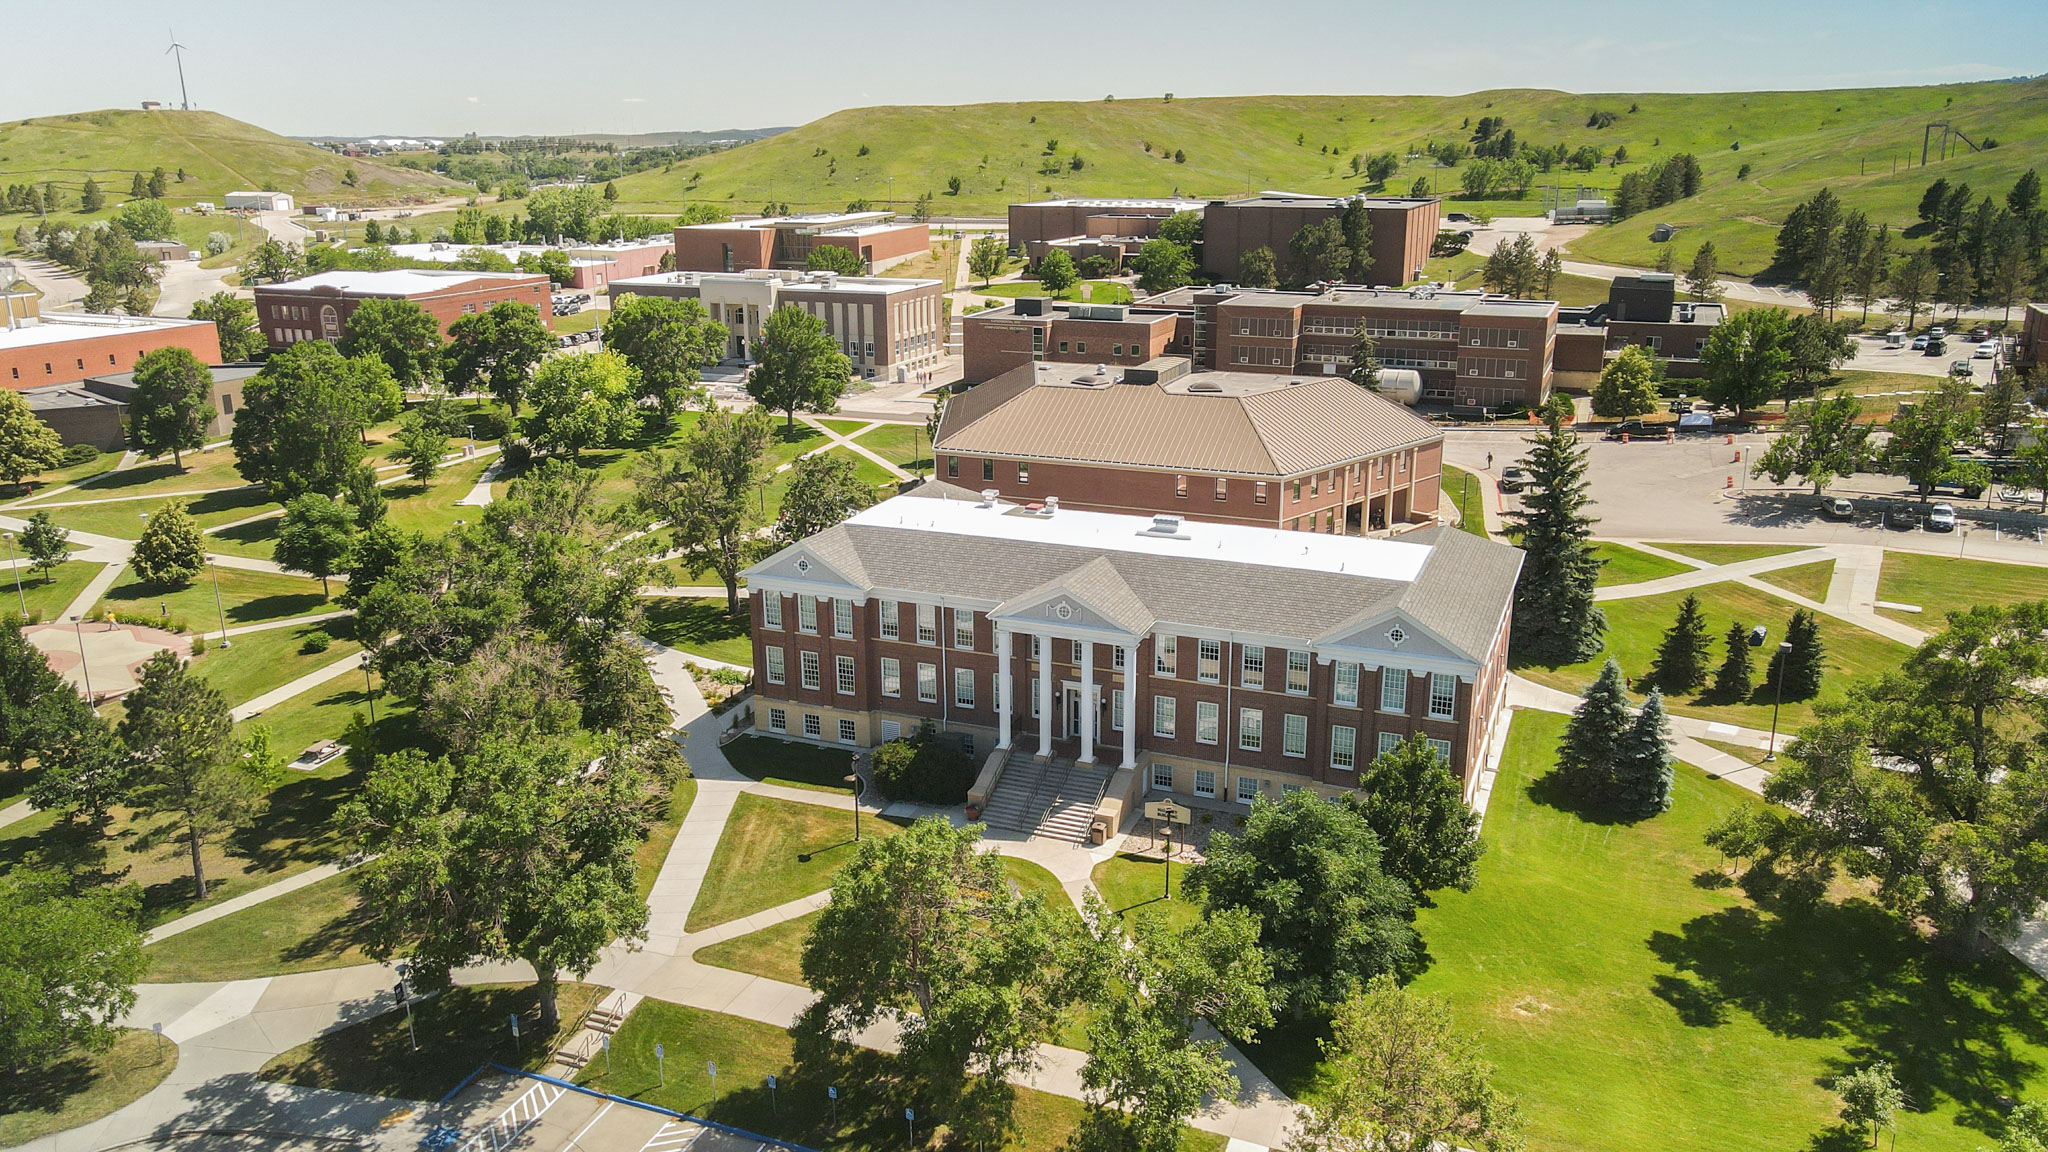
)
(1896, 338)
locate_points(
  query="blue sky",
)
(516, 66)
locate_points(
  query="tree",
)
(1513, 268)
(1547, 271)
(1703, 279)
(403, 335)
(272, 262)
(1642, 762)
(139, 186)
(1733, 680)
(47, 545)
(706, 493)
(1867, 278)
(1822, 443)
(798, 366)
(1056, 272)
(1397, 1074)
(27, 445)
(1814, 348)
(519, 850)
(2026, 1126)
(1317, 253)
(1923, 439)
(25, 681)
(172, 404)
(925, 919)
(90, 198)
(1365, 360)
(1257, 269)
(1592, 740)
(833, 258)
(300, 428)
(1746, 358)
(986, 257)
(1912, 285)
(71, 964)
(1871, 1098)
(234, 319)
(667, 341)
(1681, 663)
(421, 444)
(146, 220)
(1797, 670)
(188, 763)
(582, 402)
(1556, 620)
(823, 490)
(2001, 409)
(1428, 836)
(1183, 228)
(1628, 385)
(1331, 917)
(315, 536)
(82, 773)
(496, 351)
(1355, 222)
(170, 550)
(1162, 266)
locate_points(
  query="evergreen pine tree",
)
(1802, 663)
(1642, 763)
(1734, 679)
(1585, 756)
(90, 198)
(1681, 663)
(1556, 621)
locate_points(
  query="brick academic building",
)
(317, 307)
(1403, 228)
(785, 242)
(66, 347)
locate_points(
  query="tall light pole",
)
(217, 606)
(1784, 658)
(859, 786)
(78, 626)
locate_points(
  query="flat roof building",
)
(2032, 347)
(259, 201)
(888, 326)
(1403, 228)
(91, 412)
(67, 347)
(593, 266)
(1035, 328)
(317, 307)
(1642, 310)
(785, 242)
(1085, 227)
(1138, 655)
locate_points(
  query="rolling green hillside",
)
(219, 155)
(1796, 141)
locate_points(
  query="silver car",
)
(1941, 518)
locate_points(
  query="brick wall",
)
(98, 352)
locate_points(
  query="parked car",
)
(1513, 478)
(1839, 508)
(1937, 347)
(1628, 428)
(1941, 518)
(1920, 343)
(1980, 332)
(1896, 338)
(1961, 370)
(1680, 406)
(1937, 332)
(1988, 350)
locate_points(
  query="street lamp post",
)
(217, 605)
(78, 626)
(1784, 658)
(859, 786)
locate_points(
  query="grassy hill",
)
(1795, 141)
(219, 155)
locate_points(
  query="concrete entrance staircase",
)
(1054, 799)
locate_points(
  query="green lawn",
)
(773, 761)
(431, 508)
(1090, 291)
(69, 474)
(1630, 999)
(1626, 565)
(845, 427)
(700, 626)
(772, 852)
(48, 597)
(303, 931)
(213, 468)
(1130, 884)
(248, 597)
(323, 712)
(1636, 625)
(1730, 553)
(261, 661)
(1809, 580)
(1942, 583)
(458, 1031)
(904, 445)
(1468, 498)
(653, 851)
(77, 1089)
(124, 519)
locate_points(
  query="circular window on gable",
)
(1395, 635)
(803, 565)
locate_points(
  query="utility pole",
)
(178, 50)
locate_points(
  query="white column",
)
(1088, 702)
(1045, 697)
(1002, 687)
(1131, 709)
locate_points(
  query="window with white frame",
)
(1163, 709)
(842, 617)
(963, 687)
(1251, 729)
(892, 676)
(1116, 657)
(1162, 777)
(777, 673)
(1080, 651)
(1116, 709)
(1209, 661)
(928, 683)
(1297, 673)
(848, 733)
(1247, 789)
(1443, 696)
(1393, 690)
(771, 610)
(1165, 655)
(813, 726)
(1207, 713)
(963, 628)
(1294, 735)
(1343, 746)
(1205, 782)
(927, 624)
(1345, 695)
(1251, 672)
(809, 663)
(1442, 748)
(778, 720)
(892, 625)
(843, 666)
(1388, 742)
(807, 614)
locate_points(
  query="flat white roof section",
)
(62, 327)
(394, 282)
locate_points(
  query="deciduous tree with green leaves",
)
(1056, 273)
(1747, 358)
(708, 492)
(833, 258)
(47, 544)
(301, 423)
(172, 404)
(82, 773)
(27, 445)
(1556, 620)
(315, 536)
(1428, 835)
(583, 402)
(1258, 269)
(170, 551)
(1871, 1098)
(234, 320)
(496, 351)
(668, 342)
(823, 490)
(403, 335)
(986, 257)
(72, 963)
(1822, 443)
(1628, 385)
(798, 366)
(272, 262)
(1923, 439)
(188, 764)
(1183, 228)
(1162, 265)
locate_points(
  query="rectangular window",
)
(771, 610)
(1116, 709)
(807, 614)
(1023, 473)
(1251, 666)
(842, 617)
(967, 744)
(1222, 488)
(1116, 349)
(1297, 673)
(1081, 347)
(1116, 657)
(1442, 748)
(1251, 729)
(1343, 746)
(1165, 655)
(1294, 735)
(963, 687)
(1297, 490)
(892, 625)
(1346, 692)
(1162, 777)
(843, 666)
(1388, 742)
(809, 663)
(1207, 713)
(1259, 492)
(1393, 690)
(1035, 647)
(927, 624)
(813, 726)
(928, 683)
(1247, 789)
(778, 720)
(848, 734)
(776, 671)
(963, 628)
(1063, 345)
(988, 470)
(1209, 661)
(892, 676)
(1205, 782)
(1443, 696)
(952, 467)
(1180, 487)
(1163, 708)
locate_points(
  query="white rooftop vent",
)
(1052, 505)
(1102, 369)
(1166, 525)
(988, 497)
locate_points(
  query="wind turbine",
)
(178, 50)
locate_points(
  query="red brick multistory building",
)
(2031, 350)
(887, 325)
(1214, 662)
(1035, 328)
(1082, 228)
(1314, 454)
(67, 347)
(317, 307)
(878, 238)
(1403, 228)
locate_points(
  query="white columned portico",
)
(1004, 690)
(1087, 655)
(1045, 704)
(1131, 711)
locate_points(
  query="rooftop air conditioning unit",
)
(1166, 525)
(1052, 505)
(988, 497)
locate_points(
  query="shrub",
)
(80, 454)
(315, 642)
(218, 242)
(489, 423)
(925, 767)
(199, 645)
(518, 454)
